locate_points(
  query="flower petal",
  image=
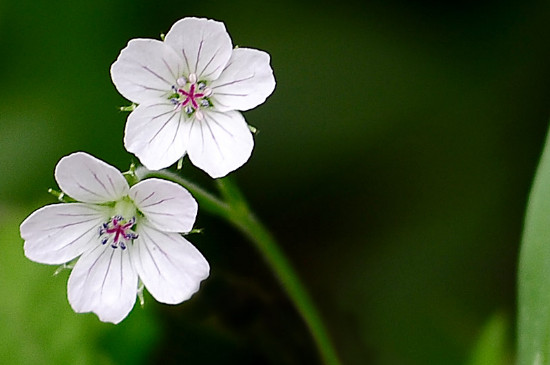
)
(220, 142)
(204, 45)
(146, 70)
(104, 281)
(166, 205)
(156, 134)
(170, 266)
(246, 81)
(56, 234)
(87, 179)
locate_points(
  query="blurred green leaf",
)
(491, 347)
(534, 272)
(38, 324)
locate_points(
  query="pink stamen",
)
(118, 231)
(193, 98)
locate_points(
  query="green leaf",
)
(492, 345)
(38, 324)
(534, 272)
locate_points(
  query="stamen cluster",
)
(190, 96)
(118, 231)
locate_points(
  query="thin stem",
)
(209, 202)
(250, 226)
(237, 212)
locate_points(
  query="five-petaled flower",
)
(190, 89)
(121, 234)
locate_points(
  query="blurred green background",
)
(393, 163)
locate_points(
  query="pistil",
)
(191, 96)
(118, 232)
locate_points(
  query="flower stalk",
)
(235, 210)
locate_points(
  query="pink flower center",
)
(191, 95)
(118, 232)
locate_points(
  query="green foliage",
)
(492, 344)
(534, 272)
(38, 324)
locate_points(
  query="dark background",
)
(393, 164)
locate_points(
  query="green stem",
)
(243, 219)
(208, 202)
(237, 212)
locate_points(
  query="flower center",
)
(191, 95)
(118, 232)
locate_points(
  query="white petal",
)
(167, 205)
(204, 45)
(56, 234)
(170, 266)
(156, 134)
(146, 70)
(104, 281)
(87, 179)
(246, 81)
(220, 143)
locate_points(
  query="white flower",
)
(190, 88)
(120, 233)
